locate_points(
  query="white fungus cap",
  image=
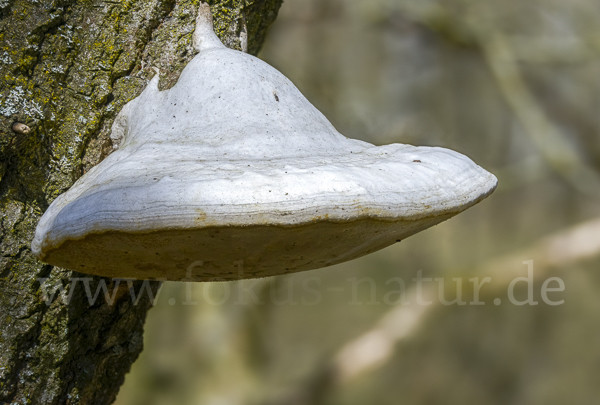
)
(233, 174)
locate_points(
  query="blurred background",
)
(513, 84)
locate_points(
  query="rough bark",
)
(67, 68)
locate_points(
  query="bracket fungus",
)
(232, 172)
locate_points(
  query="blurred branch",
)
(564, 248)
(538, 50)
(550, 51)
(552, 145)
(476, 28)
(375, 347)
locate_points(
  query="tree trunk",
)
(67, 68)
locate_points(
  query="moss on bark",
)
(67, 68)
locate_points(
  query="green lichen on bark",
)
(67, 68)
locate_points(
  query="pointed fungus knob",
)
(204, 35)
(234, 169)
